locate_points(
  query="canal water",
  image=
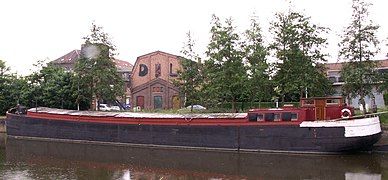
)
(28, 159)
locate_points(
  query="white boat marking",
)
(353, 128)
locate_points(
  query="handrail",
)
(357, 117)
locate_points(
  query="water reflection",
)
(26, 159)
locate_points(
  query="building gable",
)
(155, 65)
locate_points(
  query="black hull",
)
(284, 138)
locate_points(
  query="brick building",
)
(152, 81)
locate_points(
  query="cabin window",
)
(286, 116)
(255, 117)
(260, 117)
(277, 117)
(332, 101)
(252, 116)
(294, 116)
(269, 116)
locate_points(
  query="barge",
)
(318, 125)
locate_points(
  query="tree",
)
(359, 44)
(4, 87)
(95, 70)
(50, 86)
(189, 78)
(11, 88)
(258, 84)
(3, 68)
(224, 70)
(297, 46)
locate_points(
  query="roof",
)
(74, 55)
(333, 66)
(68, 58)
(123, 65)
(338, 66)
(158, 52)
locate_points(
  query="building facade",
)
(152, 81)
(333, 71)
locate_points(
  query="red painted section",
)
(310, 113)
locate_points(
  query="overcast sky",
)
(47, 29)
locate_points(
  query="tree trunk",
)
(362, 101)
(234, 105)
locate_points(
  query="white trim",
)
(353, 128)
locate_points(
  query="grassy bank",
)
(384, 118)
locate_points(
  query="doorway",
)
(175, 102)
(158, 102)
(320, 107)
(140, 101)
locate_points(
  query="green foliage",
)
(384, 118)
(189, 78)
(3, 68)
(259, 86)
(224, 71)
(297, 46)
(386, 99)
(96, 73)
(50, 87)
(10, 88)
(359, 45)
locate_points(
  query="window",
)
(143, 70)
(332, 79)
(140, 101)
(332, 101)
(158, 70)
(277, 117)
(340, 79)
(294, 116)
(157, 89)
(260, 117)
(172, 74)
(269, 116)
(286, 116)
(382, 71)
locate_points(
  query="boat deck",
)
(138, 114)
